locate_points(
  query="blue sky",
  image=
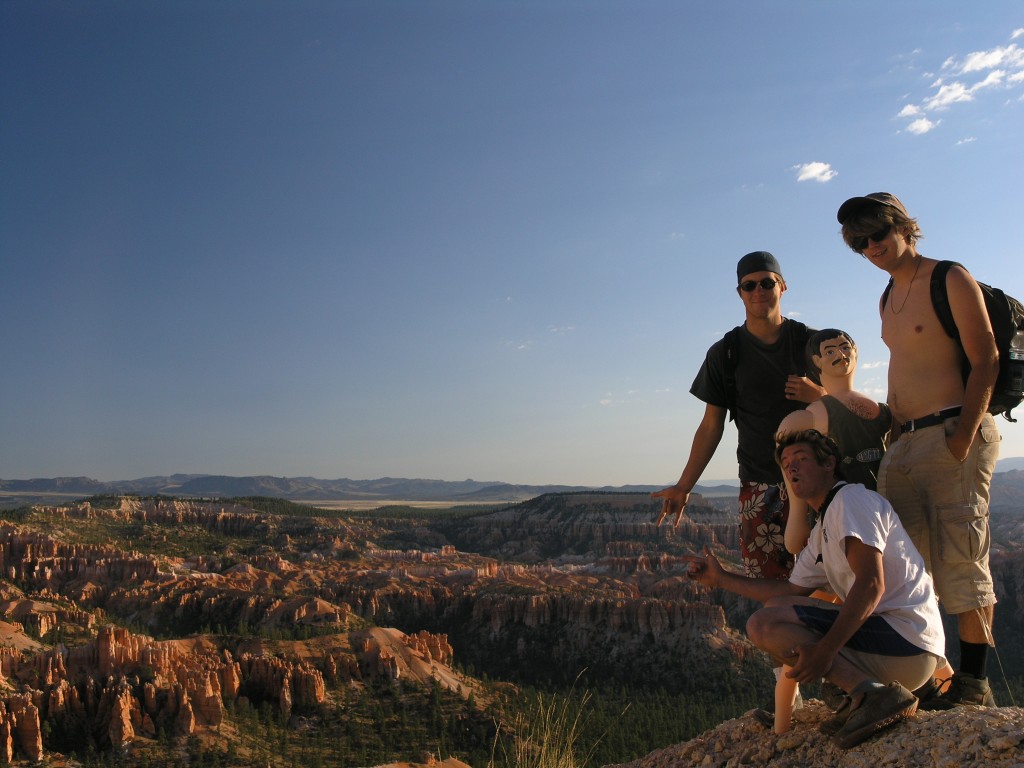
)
(459, 239)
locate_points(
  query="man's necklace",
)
(892, 304)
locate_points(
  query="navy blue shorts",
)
(874, 636)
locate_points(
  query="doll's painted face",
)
(836, 357)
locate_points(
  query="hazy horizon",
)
(1003, 465)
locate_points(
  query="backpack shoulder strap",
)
(940, 298)
(798, 345)
(730, 351)
(824, 508)
(828, 499)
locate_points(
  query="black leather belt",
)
(930, 420)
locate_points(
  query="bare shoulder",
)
(959, 278)
(965, 297)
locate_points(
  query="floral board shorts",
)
(764, 510)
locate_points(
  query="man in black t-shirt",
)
(757, 373)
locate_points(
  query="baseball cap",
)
(854, 204)
(758, 261)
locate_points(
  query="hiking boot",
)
(832, 695)
(766, 714)
(764, 717)
(928, 693)
(835, 723)
(878, 709)
(965, 688)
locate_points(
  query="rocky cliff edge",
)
(958, 738)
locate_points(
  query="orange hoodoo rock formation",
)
(126, 685)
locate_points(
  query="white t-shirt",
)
(908, 603)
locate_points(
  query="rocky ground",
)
(958, 738)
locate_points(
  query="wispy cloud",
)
(922, 125)
(820, 172)
(611, 399)
(982, 61)
(964, 79)
(875, 393)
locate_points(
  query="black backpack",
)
(1007, 317)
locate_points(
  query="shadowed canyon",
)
(174, 631)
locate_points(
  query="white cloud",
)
(613, 400)
(964, 79)
(876, 364)
(956, 92)
(993, 79)
(922, 125)
(820, 172)
(968, 140)
(949, 93)
(1010, 56)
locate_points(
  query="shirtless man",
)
(944, 446)
(857, 423)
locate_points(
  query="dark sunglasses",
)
(747, 286)
(860, 243)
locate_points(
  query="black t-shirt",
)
(760, 403)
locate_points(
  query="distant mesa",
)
(311, 489)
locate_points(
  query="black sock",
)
(973, 658)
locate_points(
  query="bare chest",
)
(909, 321)
(924, 362)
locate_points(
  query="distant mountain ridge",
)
(305, 488)
(344, 489)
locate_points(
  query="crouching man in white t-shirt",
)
(885, 639)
